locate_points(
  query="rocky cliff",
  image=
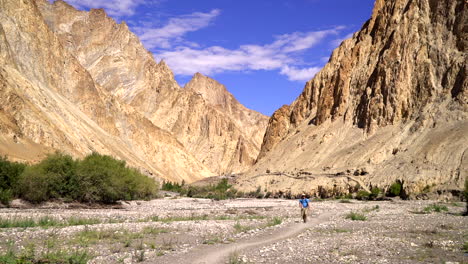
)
(49, 101)
(391, 104)
(213, 126)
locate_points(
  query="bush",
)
(6, 196)
(435, 208)
(97, 178)
(363, 195)
(221, 191)
(104, 179)
(375, 192)
(51, 178)
(356, 216)
(173, 187)
(395, 189)
(9, 174)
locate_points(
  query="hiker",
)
(304, 205)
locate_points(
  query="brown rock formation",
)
(48, 101)
(392, 100)
(215, 128)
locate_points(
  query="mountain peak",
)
(211, 90)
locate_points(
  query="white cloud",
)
(173, 31)
(278, 55)
(295, 74)
(117, 8)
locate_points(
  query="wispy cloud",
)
(172, 32)
(295, 74)
(280, 55)
(116, 8)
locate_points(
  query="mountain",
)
(213, 126)
(79, 93)
(390, 105)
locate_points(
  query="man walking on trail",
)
(304, 205)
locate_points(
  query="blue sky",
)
(263, 51)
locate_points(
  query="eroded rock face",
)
(48, 102)
(78, 82)
(393, 99)
(213, 126)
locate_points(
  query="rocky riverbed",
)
(185, 230)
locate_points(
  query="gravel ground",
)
(165, 230)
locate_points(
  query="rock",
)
(78, 82)
(383, 89)
(212, 125)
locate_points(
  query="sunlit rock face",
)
(213, 126)
(49, 101)
(392, 102)
(79, 82)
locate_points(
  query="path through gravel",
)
(220, 253)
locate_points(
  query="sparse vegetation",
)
(363, 195)
(234, 258)
(435, 208)
(241, 228)
(221, 191)
(356, 216)
(45, 222)
(48, 254)
(212, 240)
(395, 189)
(173, 186)
(337, 230)
(375, 193)
(370, 209)
(96, 179)
(275, 221)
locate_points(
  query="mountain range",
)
(389, 106)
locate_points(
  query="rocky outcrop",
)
(49, 101)
(213, 126)
(392, 100)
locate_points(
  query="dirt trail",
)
(219, 253)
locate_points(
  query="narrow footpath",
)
(217, 254)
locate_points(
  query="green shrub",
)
(275, 221)
(221, 191)
(172, 186)
(6, 196)
(363, 195)
(375, 192)
(356, 216)
(54, 177)
(97, 178)
(435, 208)
(9, 175)
(104, 179)
(395, 189)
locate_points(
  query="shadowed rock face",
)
(392, 99)
(213, 126)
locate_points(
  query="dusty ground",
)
(243, 231)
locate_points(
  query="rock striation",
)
(391, 104)
(213, 126)
(49, 101)
(79, 82)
